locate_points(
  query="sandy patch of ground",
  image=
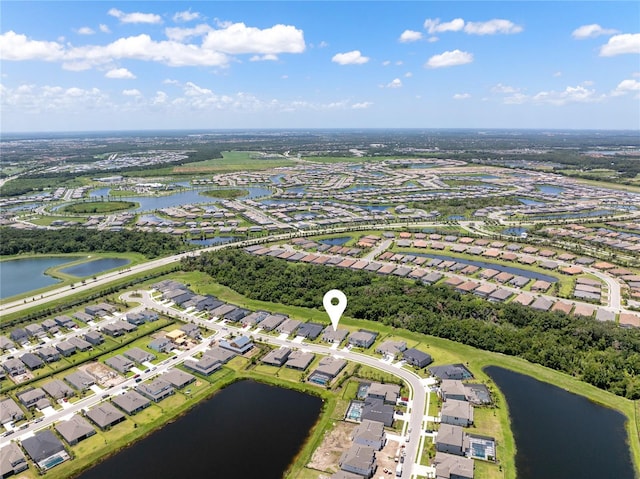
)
(103, 375)
(335, 442)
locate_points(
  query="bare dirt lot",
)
(335, 442)
(385, 459)
(104, 375)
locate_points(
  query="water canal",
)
(560, 435)
(247, 430)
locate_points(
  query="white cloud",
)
(55, 99)
(557, 74)
(120, 74)
(500, 88)
(621, 44)
(185, 16)
(409, 36)
(433, 39)
(14, 46)
(132, 92)
(516, 99)
(591, 31)
(491, 27)
(323, 44)
(169, 81)
(85, 31)
(350, 58)
(160, 98)
(135, 17)
(238, 38)
(399, 63)
(408, 75)
(104, 28)
(461, 96)
(569, 95)
(262, 58)
(362, 105)
(395, 83)
(449, 59)
(626, 86)
(433, 25)
(181, 34)
(386, 63)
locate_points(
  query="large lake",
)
(95, 267)
(247, 430)
(560, 435)
(18, 276)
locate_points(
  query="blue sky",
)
(69, 66)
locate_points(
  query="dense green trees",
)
(602, 354)
(79, 240)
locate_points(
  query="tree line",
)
(600, 353)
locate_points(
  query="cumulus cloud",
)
(14, 46)
(350, 58)
(621, 44)
(85, 31)
(104, 28)
(181, 34)
(362, 105)
(395, 83)
(135, 17)
(185, 16)
(263, 58)
(461, 96)
(492, 27)
(53, 99)
(120, 74)
(449, 59)
(433, 25)
(238, 38)
(591, 31)
(409, 36)
(408, 75)
(568, 95)
(500, 88)
(132, 92)
(626, 86)
(433, 39)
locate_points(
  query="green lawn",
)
(234, 161)
(90, 207)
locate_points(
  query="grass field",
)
(226, 193)
(99, 207)
(234, 161)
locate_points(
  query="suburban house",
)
(105, 415)
(310, 330)
(359, 460)
(327, 370)
(94, 338)
(451, 371)
(449, 466)
(49, 354)
(75, 429)
(288, 326)
(272, 321)
(161, 345)
(66, 348)
(12, 460)
(205, 365)
(417, 358)
(391, 348)
(19, 336)
(369, 433)
(277, 357)
(80, 343)
(201, 303)
(389, 393)
(10, 411)
(453, 389)
(236, 314)
(177, 336)
(219, 354)
(138, 355)
(254, 318)
(299, 360)
(79, 380)
(6, 343)
(375, 409)
(457, 413)
(131, 402)
(50, 326)
(362, 338)
(14, 367)
(329, 335)
(156, 390)
(119, 363)
(31, 397)
(452, 440)
(35, 330)
(57, 389)
(65, 322)
(239, 345)
(191, 330)
(45, 449)
(82, 316)
(113, 329)
(178, 379)
(31, 361)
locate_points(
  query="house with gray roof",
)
(49, 354)
(327, 370)
(309, 330)
(277, 357)
(80, 343)
(94, 338)
(219, 354)
(161, 345)
(156, 390)
(19, 336)
(391, 348)
(272, 321)
(65, 322)
(457, 413)
(449, 466)
(131, 402)
(254, 318)
(82, 316)
(35, 330)
(362, 338)
(329, 335)
(119, 363)
(288, 326)
(369, 433)
(206, 365)
(417, 358)
(389, 393)
(191, 330)
(239, 345)
(45, 449)
(453, 389)
(451, 371)
(236, 314)
(75, 429)
(452, 440)
(66, 348)
(220, 311)
(50, 326)
(359, 460)
(14, 367)
(112, 329)
(31, 361)
(80, 380)
(12, 460)
(138, 355)
(299, 360)
(177, 378)
(30, 397)
(375, 409)
(6, 343)
(10, 411)
(57, 389)
(105, 415)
